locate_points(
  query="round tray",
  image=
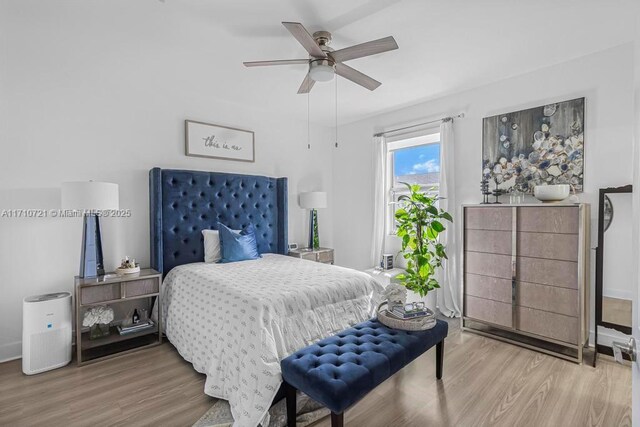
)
(127, 270)
(417, 324)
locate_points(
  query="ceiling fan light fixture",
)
(322, 70)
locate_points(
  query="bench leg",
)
(337, 420)
(290, 395)
(439, 359)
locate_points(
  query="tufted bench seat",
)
(339, 370)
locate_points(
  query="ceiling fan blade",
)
(365, 49)
(276, 62)
(307, 84)
(357, 77)
(304, 38)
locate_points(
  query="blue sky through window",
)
(418, 160)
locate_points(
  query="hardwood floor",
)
(486, 382)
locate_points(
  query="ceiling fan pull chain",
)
(336, 99)
(308, 121)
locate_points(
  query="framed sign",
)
(218, 142)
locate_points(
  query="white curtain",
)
(448, 294)
(379, 200)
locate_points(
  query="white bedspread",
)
(235, 322)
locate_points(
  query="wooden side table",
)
(323, 255)
(139, 290)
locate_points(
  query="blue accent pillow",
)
(238, 246)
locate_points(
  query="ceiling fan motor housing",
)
(322, 37)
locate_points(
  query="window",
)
(414, 161)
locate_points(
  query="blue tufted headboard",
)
(182, 203)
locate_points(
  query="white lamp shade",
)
(313, 200)
(90, 196)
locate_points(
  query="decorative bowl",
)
(120, 270)
(551, 193)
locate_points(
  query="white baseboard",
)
(10, 351)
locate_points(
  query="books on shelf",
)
(136, 327)
(399, 312)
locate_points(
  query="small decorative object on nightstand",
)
(128, 266)
(137, 292)
(323, 255)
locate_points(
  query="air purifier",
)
(46, 332)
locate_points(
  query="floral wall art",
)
(538, 146)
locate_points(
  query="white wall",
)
(604, 78)
(88, 96)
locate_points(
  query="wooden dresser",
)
(526, 270)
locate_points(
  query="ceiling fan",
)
(324, 62)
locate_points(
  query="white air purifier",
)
(46, 332)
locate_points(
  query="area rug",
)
(309, 412)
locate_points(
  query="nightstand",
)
(323, 255)
(122, 293)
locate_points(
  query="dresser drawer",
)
(488, 218)
(490, 311)
(549, 325)
(141, 287)
(561, 219)
(488, 264)
(311, 256)
(325, 256)
(487, 287)
(494, 242)
(549, 298)
(547, 245)
(548, 272)
(99, 293)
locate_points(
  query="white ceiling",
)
(445, 46)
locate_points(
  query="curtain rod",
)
(459, 116)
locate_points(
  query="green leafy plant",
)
(419, 222)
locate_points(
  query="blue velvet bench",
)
(340, 370)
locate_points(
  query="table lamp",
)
(91, 198)
(313, 200)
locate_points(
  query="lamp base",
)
(314, 239)
(91, 262)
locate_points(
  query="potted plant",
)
(419, 222)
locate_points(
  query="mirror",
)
(614, 264)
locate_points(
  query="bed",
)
(235, 322)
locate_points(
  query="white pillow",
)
(211, 246)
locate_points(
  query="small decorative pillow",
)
(236, 246)
(211, 245)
